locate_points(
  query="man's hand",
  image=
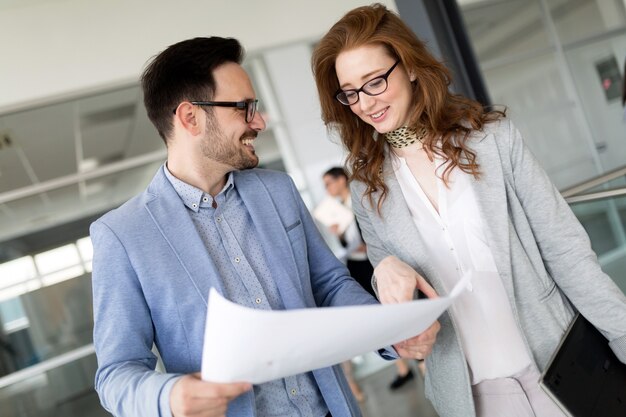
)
(396, 282)
(420, 346)
(192, 396)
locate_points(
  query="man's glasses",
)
(373, 87)
(249, 106)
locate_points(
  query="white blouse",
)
(456, 244)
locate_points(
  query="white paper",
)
(256, 346)
(331, 212)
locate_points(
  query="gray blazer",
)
(542, 253)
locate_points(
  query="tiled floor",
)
(407, 401)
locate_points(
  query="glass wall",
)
(558, 65)
(47, 361)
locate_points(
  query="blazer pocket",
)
(556, 302)
(548, 293)
(293, 226)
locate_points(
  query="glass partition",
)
(558, 66)
(66, 390)
(605, 221)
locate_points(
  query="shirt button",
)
(219, 219)
(194, 205)
(237, 259)
(293, 392)
(258, 301)
(205, 199)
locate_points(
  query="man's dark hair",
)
(336, 172)
(184, 71)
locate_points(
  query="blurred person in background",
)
(355, 256)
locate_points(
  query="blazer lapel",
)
(272, 236)
(171, 217)
(399, 226)
(490, 192)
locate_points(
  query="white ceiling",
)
(52, 49)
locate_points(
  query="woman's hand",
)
(396, 281)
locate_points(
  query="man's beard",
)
(219, 148)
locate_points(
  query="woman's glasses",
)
(373, 87)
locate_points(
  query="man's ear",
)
(188, 118)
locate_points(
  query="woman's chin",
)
(382, 129)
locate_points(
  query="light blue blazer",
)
(152, 275)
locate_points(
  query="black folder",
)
(584, 377)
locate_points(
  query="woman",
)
(442, 187)
(336, 183)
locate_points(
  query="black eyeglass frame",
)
(364, 87)
(244, 104)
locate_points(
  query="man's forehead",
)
(232, 79)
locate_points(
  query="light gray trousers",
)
(517, 396)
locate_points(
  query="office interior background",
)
(75, 141)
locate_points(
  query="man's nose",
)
(257, 123)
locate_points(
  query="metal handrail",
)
(61, 360)
(598, 195)
(47, 365)
(594, 182)
(72, 179)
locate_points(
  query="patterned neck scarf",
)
(405, 136)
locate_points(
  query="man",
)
(209, 220)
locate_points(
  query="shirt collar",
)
(193, 197)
